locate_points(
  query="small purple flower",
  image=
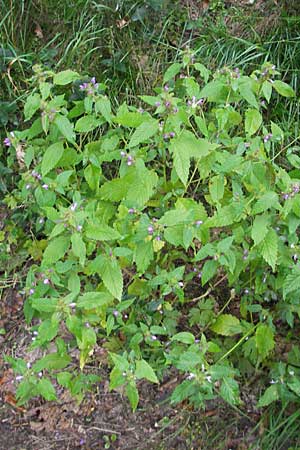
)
(175, 110)
(180, 284)
(150, 229)
(158, 238)
(19, 377)
(295, 257)
(246, 291)
(41, 220)
(7, 142)
(131, 211)
(141, 110)
(87, 325)
(167, 104)
(79, 228)
(35, 333)
(166, 87)
(28, 186)
(172, 134)
(247, 144)
(83, 86)
(157, 104)
(40, 374)
(28, 365)
(46, 281)
(198, 223)
(182, 76)
(199, 275)
(31, 291)
(200, 102)
(45, 186)
(72, 305)
(191, 376)
(166, 136)
(286, 196)
(93, 80)
(116, 313)
(153, 338)
(123, 154)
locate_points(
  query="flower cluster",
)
(90, 87)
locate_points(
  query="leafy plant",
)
(165, 232)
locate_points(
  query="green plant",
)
(165, 233)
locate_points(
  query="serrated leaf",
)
(91, 300)
(216, 188)
(51, 157)
(245, 88)
(65, 77)
(112, 278)
(267, 201)
(52, 361)
(55, 250)
(264, 340)
(270, 395)
(209, 270)
(32, 104)
(78, 247)
(184, 337)
(101, 232)
(44, 304)
(172, 71)
(267, 90)
(229, 391)
(259, 228)
(292, 282)
(283, 88)
(253, 120)
(103, 106)
(65, 127)
(46, 389)
(227, 325)
(294, 385)
(87, 123)
(143, 132)
(133, 395)
(144, 370)
(269, 248)
(143, 255)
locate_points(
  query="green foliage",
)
(130, 208)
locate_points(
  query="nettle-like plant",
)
(166, 234)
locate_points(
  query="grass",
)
(127, 46)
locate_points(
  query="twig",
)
(208, 290)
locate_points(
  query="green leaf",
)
(51, 157)
(229, 391)
(184, 337)
(47, 331)
(181, 156)
(55, 250)
(65, 127)
(92, 176)
(132, 394)
(294, 385)
(111, 274)
(144, 370)
(267, 90)
(143, 255)
(143, 132)
(209, 270)
(264, 340)
(52, 361)
(283, 89)
(259, 228)
(227, 325)
(91, 300)
(270, 395)
(267, 201)
(78, 247)
(65, 77)
(172, 71)
(216, 188)
(44, 304)
(46, 389)
(292, 282)
(130, 119)
(269, 248)
(32, 104)
(245, 88)
(103, 106)
(101, 232)
(87, 123)
(253, 120)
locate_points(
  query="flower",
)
(46, 281)
(7, 142)
(198, 223)
(73, 206)
(31, 291)
(150, 229)
(45, 186)
(79, 227)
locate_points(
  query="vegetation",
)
(150, 180)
